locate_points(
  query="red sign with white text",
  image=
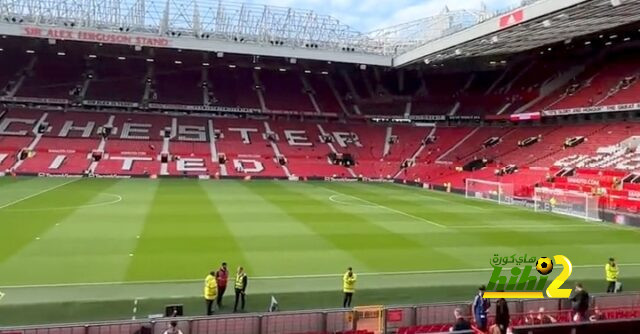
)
(528, 116)
(95, 36)
(512, 18)
(394, 315)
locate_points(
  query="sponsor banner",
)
(337, 179)
(119, 104)
(510, 19)
(53, 175)
(112, 176)
(496, 117)
(430, 118)
(377, 180)
(629, 194)
(395, 315)
(70, 151)
(204, 108)
(95, 36)
(592, 110)
(133, 153)
(463, 118)
(298, 113)
(33, 100)
(237, 110)
(529, 116)
(390, 120)
(583, 181)
(524, 202)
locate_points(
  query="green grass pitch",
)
(89, 249)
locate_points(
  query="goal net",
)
(567, 202)
(489, 190)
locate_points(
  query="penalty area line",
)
(37, 194)
(389, 273)
(386, 208)
(524, 226)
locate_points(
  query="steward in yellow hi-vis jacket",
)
(611, 270)
(241, 289)
(210, 291)
(348, 287)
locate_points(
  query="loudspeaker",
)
(347, 160)
(96, 155)
(164, 157)
(24, 154)
(174, 310)
(106, 131)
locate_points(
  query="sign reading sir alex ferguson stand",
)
(94, 36)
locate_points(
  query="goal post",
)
(489, 190)
(567, 202)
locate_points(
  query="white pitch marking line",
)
(332, 198)
(390, 273)
(523, 226)
(36, 194)
(2, 294)
(424, 194)
(387, 208)
(135, 309)
(117, 199)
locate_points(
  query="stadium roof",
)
(585, 18)
(222, 26)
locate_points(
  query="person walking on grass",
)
(348, 287)
(210, 291)
(611, 271)
(240, 289)
(222, 276)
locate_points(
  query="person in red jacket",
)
(222, 276)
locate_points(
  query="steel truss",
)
(236, 22)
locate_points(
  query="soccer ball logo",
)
(544, 265)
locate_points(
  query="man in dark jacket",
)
(480, 307)
(502, 315)
(222, 276)
(579, 303)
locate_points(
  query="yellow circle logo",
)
(544, 265)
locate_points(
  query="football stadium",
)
(204, 166)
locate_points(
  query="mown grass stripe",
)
(354, 233)
(183, 236)
(20, 228)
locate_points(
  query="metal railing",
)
(394, 318)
